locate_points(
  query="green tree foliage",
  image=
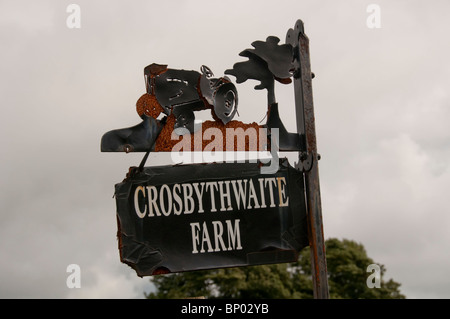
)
(347, 263)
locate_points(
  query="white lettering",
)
(224, 195)
(198, 309)
(211, 190)
(177, 198)
(374, 19)
(374, 280)
(274, 161)
(73, 21)
(234, 237)
(261, 189)
(227, 195)
(205, 239)
(274, 182)
(136, 202)
(199, 194)
(218, 232)
(74, 279)
(195, 228)
(169, 200)
(187, 192)
(281, 192)
(241, 135)
(152, 198)
(240, 194)
(217, 143)
(201, 237)
(252, 195)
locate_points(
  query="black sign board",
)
(188, 217)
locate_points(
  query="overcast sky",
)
(382, 112)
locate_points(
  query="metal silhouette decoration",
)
(167, 216)
(267, 62)
(177, 92)
(181, 93)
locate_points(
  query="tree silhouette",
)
(267, 62)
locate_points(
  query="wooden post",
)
(306, 128)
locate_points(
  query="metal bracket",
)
(305, 163)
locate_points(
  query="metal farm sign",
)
(217, 214)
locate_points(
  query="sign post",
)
(306, 128)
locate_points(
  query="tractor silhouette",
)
(179, 93)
